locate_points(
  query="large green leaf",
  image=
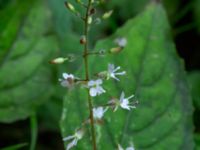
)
(129, 8)
(25, 50)
(155, 74)
(194, 82)
(197, 13)
(197, 141)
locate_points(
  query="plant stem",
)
(34, 130)
(86, 27)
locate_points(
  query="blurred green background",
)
(32, 32)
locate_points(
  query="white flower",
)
(121, 42)
(112, 72)
(124, 102)
(75, 138)
(95, 87)
(128, 148)
(99, 112)
(67, 81)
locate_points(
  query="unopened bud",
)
(70, 6)
(89, 20)
(83, 39)
(58, 60)
(115, 50)
(107, 14)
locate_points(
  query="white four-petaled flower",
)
(95, 87)
(67, 81)
(121, 41)
(128, 148)
(99, 112)
(112, 72)
(74, 139)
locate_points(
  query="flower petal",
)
(71, 76)
(111, 67)
(130, 148)
(130, 97)
(121, 73)
(116, 69)
(99, 81)
(120, 147)
(64, 83)
(91, 83)
(68, 138)
(65, 75)
(72, 144)
(122, 96)
(100, 90)
(93, 92)
(98, 112)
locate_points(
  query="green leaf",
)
(156, 76)
(11, 18)
(197, 141)
(194, 82)
(25, 75)
(197, 13)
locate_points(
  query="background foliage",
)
(33, 32)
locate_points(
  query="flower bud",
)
(83, 39)
(70, 6)
(107, 14)
(58, 60)
(89, 20)
(115, 50)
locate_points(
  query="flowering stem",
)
(86, 27)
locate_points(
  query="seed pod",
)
(58, 60)
(106, 15)
(83, 40)
(92, 11)
(70, 6)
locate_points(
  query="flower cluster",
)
(95, 86)
(95, 89)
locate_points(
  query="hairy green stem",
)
(86, 27)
